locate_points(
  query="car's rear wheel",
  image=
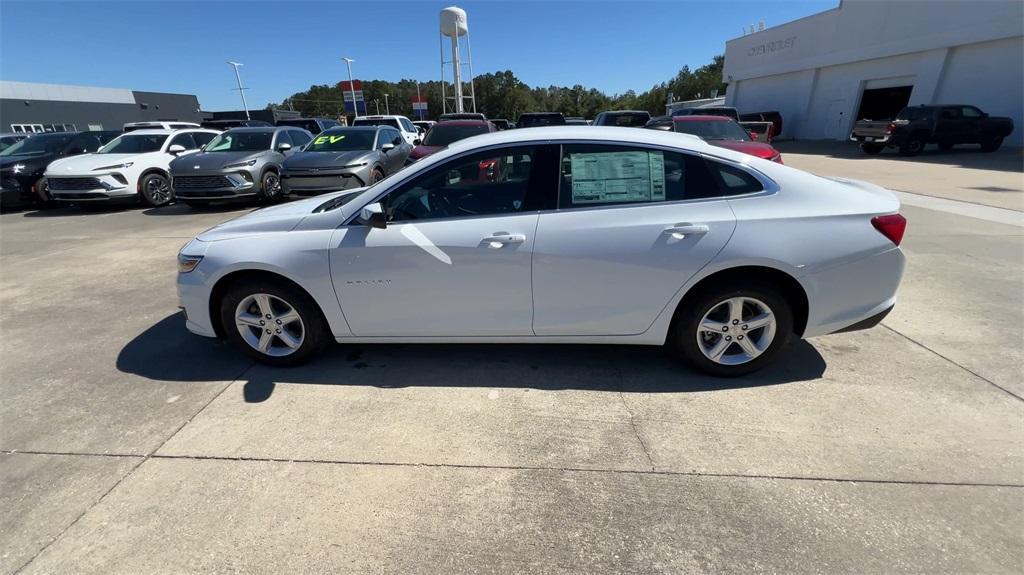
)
(270, 186)
(992, 145)
(913, 146)
(871, 149)
(273, 322)
(155, 190)
(729, 331)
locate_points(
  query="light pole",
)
(241, 90)
(387, 108)
(376, 104)
(352, 85)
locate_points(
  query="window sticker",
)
(324, 139)
(614, 177)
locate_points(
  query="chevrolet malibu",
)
(571, 235)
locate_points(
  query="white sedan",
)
(557, 235)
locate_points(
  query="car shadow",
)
(1006, 159)
(167, 352)
(59, 211)
(178, 209)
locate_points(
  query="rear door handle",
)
(499, 239)
(680, 231)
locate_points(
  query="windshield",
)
(134, 144)
(342, 141)
(546, 120)
(240, 142)
(713, 130)
(38, 145)
(628, 120)
(442, 135)
(377, 122)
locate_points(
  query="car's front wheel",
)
(732, 330)
(155, 190)
(270, 186)
(273, 322)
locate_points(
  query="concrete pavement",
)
(130, 446)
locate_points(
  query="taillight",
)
(890, 128)
(891, 226)
(777, 158)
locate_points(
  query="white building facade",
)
(867, 58)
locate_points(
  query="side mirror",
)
(372, 215)
(417, 142)
(284, 147)
(387, 147)
(176, 149)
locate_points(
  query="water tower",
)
(455, 26)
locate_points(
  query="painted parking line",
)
(971, 210)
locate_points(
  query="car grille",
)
(201, 182)
(74, 183)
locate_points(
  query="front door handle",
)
(499, 239)
(680, 231)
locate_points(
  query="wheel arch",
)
(227, 280)
(792, 290)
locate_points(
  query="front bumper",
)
(218, 185)
(15, 191)
(309, 182)
(90, 187)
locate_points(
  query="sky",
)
(286, 47)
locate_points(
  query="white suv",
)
(133, 165)
(400, 123)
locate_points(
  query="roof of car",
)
(381, 117)
(590, 133)
(627, 112)
(262, 128)
(372, 128)
(699, 117)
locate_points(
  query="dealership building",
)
(868, 59)
(29, 107)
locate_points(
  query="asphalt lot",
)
(128, 445)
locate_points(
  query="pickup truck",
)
(917, 126)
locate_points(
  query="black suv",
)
(312, 125)
(22, 165)
(537, 119)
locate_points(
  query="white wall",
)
(989, 75)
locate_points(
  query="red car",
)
(444, 133)
(725, 133)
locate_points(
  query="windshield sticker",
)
(612, 177)
(324, 139)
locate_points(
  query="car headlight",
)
(18, 168)
(187, 263)
(114, 167)
(240, 164)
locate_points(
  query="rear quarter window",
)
(733, 181)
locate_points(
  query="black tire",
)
(992, 145)
(376, 176)
(945, 146)
(872, 149)
(685, 332)
(155, 190)
(912, 146)
(270, 187)
(315, 333)
(42, 190)
(196, 204)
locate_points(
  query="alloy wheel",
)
(271, 185)
(736, 330)
(158, 191)
(269, 324)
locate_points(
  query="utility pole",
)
(241, 90)
(376, 104)
(352, 85)
(387, 108)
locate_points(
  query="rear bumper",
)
(850, 297)
(884, 139)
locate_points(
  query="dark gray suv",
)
(345, 158)
(241, 162)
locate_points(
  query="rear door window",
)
(595, 175)
(184, 140)
(202, 138)
(299, 139)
